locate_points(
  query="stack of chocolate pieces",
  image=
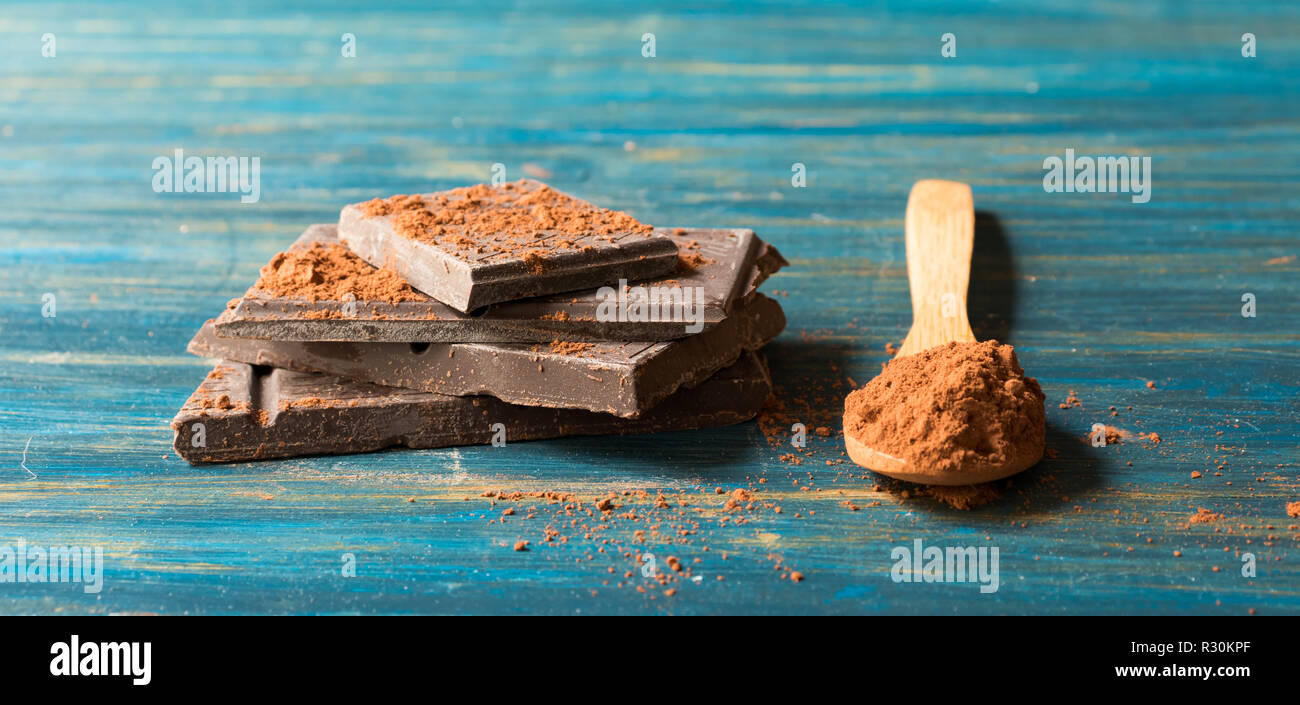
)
(483, 315)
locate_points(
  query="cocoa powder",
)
(523, 218)
(955, 406)
(328, 272)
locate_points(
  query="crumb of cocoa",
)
(569, 347)
(965, 497)
(1204, 516)
(1114, 436)
(690, 261)
(535, 262)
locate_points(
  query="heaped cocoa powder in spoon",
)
(959, 408)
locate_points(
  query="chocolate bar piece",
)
(474, 246)
(241, 412)
(623, 379)
(719, 268)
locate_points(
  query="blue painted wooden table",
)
(1099, 294)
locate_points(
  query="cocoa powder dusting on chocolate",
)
(960, 405)
(690, 261)
(328, 272)
(222, 402)
(388, 206)
(513, 219)
(567, 347)
(533, 259)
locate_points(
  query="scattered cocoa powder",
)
(960, 405)
(1114, 436)
(672, 524)
(536, 263)
(222, 402)
(314, 403)
(568, 347)
(329, 272)
(965, 497)
(689, 261)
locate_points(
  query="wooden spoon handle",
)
(940, 234)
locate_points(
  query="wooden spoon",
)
(940, 232)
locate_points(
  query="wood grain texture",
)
(1098, 294)
(939, 232)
